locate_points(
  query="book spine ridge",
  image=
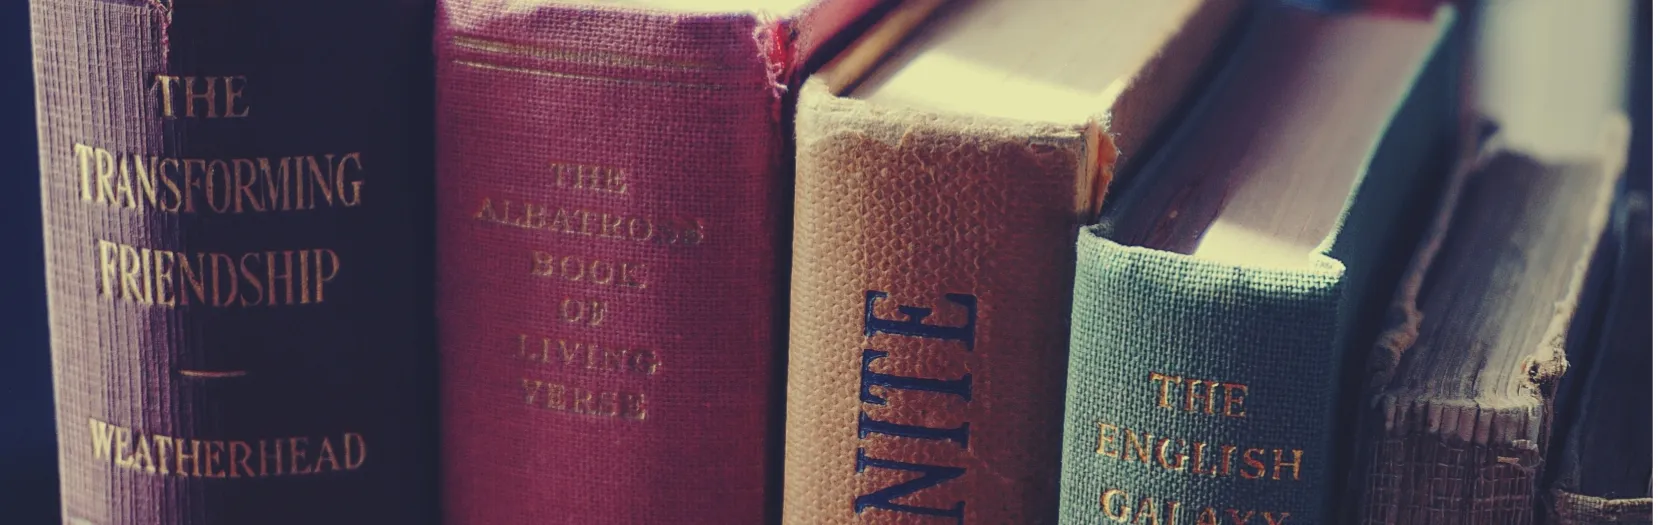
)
(1198, 388)
(609, 225)
(235, 259)
(929, 282)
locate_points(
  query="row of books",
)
(822, 261)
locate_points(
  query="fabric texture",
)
(929, 288)
(1145, 325)
(1286, 340)
(612, 190)
(239, 277)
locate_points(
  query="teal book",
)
(1221, 300)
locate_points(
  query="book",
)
(1219, 301)
(1574, 59)
(943, 164)
(1462, 384)
(233, 198)
(613, 187)
(1600, 468)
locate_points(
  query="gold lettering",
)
(227, 185)
(1163, 398)
(1194, 392)
(142, 458)
(595, 223)
(166, 84)
(593, 178)
(582, 311)
(1296, 464)
(164, 449)
(123, 443)
(1206, 517)
(1139, 443)
(1237, 520)
(271, 277)
(204, 90)
(1146, 512)
(233, 93)
(1104, 435)
(325, 456)
(582, 400)
(1119, 513)
(102, 434)
(1199, 459)
(1254, 461)
(356, 450)
(1165, 453)
(240, 453)
(1230, 402)
(209, 95)
(270, 463)
(297, 448)
(192, 458)
(215, 452)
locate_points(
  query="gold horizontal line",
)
(556, 74)
(213, 374)
(583, 57)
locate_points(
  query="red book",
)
(612, 224)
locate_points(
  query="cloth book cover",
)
(238, 280)
(613, 183)
(1204, 391)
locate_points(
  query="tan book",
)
(944, 165)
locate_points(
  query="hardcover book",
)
(1463, 382)
(239, 298)
(1220, 298)
(613, 180)
(1601, 465)
(943, 165)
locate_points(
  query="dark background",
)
(28, 454)
(28, 450)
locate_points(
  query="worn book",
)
(238, 284)
(1461, 385)
(613, 186)
(1221, 296)
(944, 162)
(1600, 468)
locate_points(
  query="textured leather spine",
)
(239, 308)
(930, 283)
(612, 186)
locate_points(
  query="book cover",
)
(239, 306)
(1205, 386)
(1457, 419)
(933, 255)
(613, 185)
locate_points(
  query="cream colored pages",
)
(1272, 156)
(1057, 61)
(1323, 115)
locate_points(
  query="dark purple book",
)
(235, 202)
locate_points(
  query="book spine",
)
(232, 198)
(1199, 392)
(1602, 469)
(928, 298)
(611, 192)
